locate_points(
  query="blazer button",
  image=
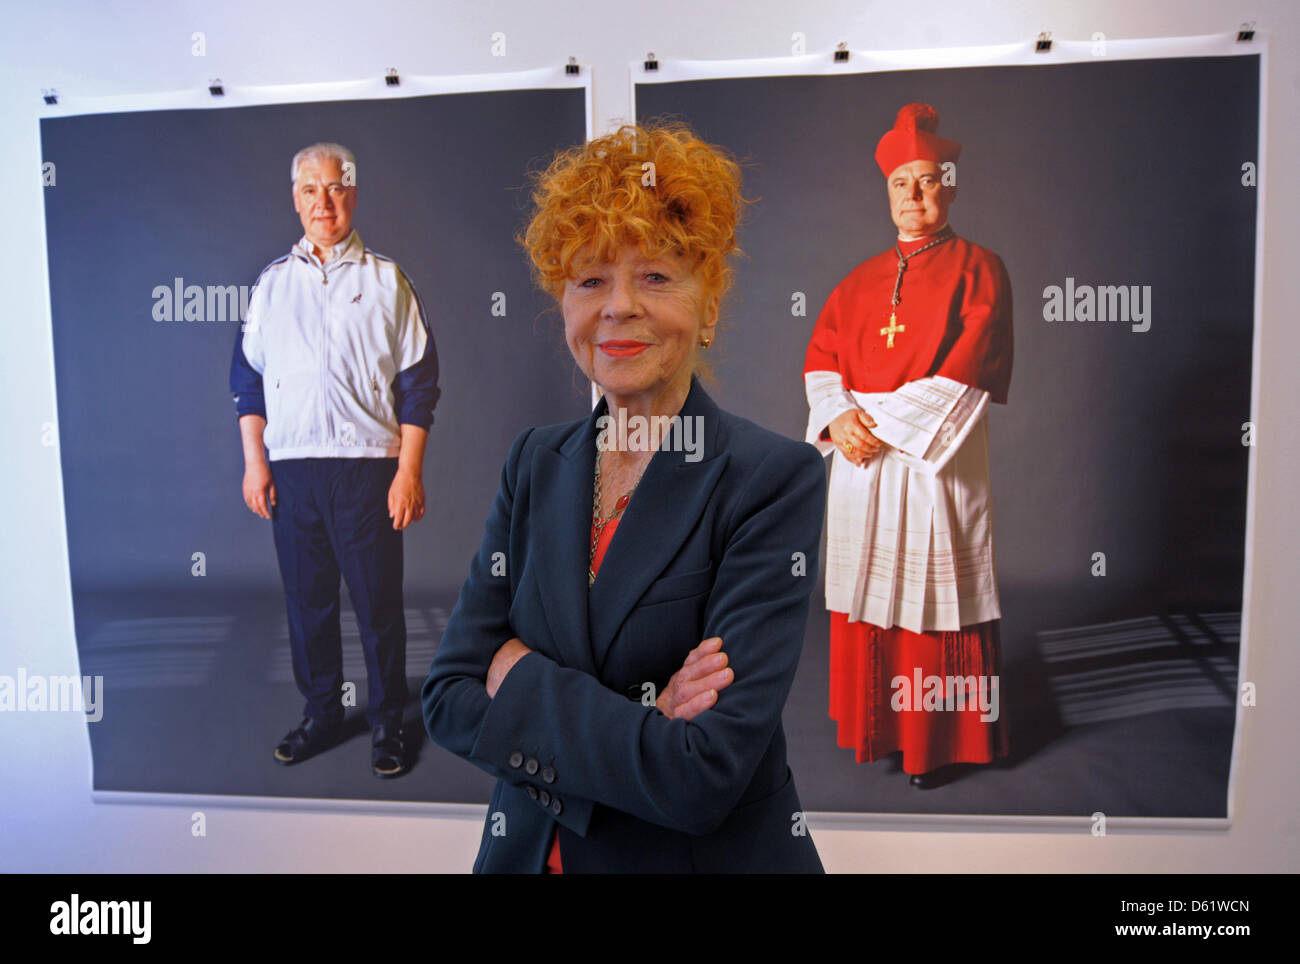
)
(556, 807)
(531, 765)
(548, 774)
(544, 798)
(531, 791)
(516, 760)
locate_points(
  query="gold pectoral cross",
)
(893, 329)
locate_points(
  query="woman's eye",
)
(589, 283)
(656, 276)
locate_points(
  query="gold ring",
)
(848, 447)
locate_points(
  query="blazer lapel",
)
(668, 502)
(560, 506)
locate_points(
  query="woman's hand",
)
(511, 652)
(849, 432)
(694, 688)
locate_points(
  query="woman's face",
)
(633, 325)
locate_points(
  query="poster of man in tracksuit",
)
(335, 380)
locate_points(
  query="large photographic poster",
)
(1119, 188)
(160, 214)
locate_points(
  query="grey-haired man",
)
(335, 380)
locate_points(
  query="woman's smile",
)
(622, 349)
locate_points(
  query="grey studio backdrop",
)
(176, 591)
(1119, 688)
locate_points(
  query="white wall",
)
(47, 820)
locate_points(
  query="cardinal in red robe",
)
(906, 356)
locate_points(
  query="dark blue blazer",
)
(722, 546)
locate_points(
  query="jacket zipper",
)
(324, 353)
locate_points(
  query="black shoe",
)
(939, 777)
(310, 738)
(387, 752)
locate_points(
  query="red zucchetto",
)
(913, 138)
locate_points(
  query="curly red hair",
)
(598, 197)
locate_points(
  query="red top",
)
(553, 865)
(954, 311)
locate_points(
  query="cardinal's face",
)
(918, 199)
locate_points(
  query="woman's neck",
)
(665, 404)
(635, 426)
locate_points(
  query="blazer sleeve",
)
(687, 776)
(454, 698)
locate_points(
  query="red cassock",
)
(953, 320)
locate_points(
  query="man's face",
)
(918, 200)
(322, 201)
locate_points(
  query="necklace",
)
(597, 523)
(894, 327)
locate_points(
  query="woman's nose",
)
(621, 299)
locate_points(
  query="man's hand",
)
(850, 433)
(510, 652)
(259, 488)
(405, 499)
(257, 474)
(694, 688)
(406, 494)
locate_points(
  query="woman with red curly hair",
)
(626, 639)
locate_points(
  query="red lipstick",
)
(622, 349)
